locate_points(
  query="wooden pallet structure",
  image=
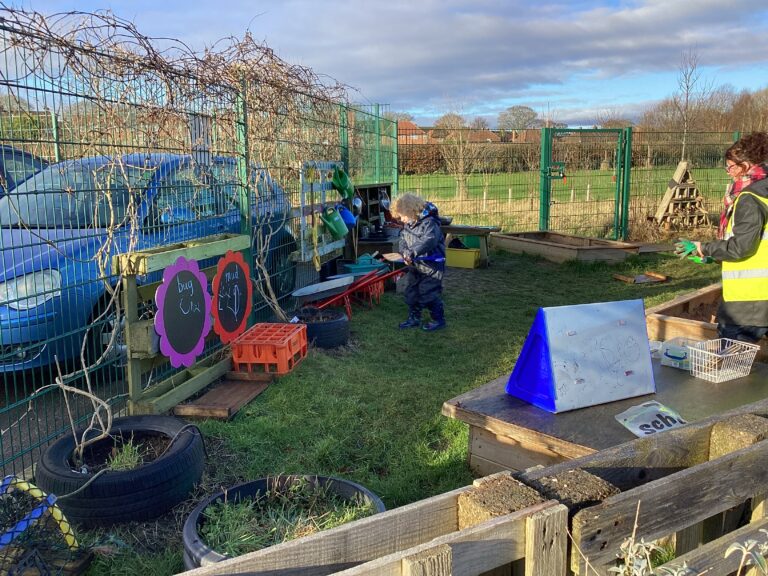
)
(702, 486)
(682, 205)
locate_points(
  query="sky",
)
(572, 62)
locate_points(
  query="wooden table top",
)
(579, 432)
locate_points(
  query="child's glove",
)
(700, 260)
(684, 248)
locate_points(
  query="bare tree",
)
(690, 95)
(517, 118)
(612, 118)
(479, 123)
(398, 116)
(459, 154)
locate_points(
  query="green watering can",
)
(333, 223)
(342, 183)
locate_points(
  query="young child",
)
(422, 245)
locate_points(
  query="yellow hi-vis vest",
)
(747, 279)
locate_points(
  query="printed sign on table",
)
(232, 297)
(649, 418)
(183, 317)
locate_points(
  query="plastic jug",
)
(333, 223)
(347, 216)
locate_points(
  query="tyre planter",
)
(325, 328)
(198, 553)
(139, 494)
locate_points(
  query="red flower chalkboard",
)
(232, 298)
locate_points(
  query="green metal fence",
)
(111, 144)
(495, 177)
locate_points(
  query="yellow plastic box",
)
(462, 257)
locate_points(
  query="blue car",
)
(16, 166)
(57, 226)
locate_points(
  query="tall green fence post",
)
(627, 187)
(377, 173)
(395, 159)
(55, 133)
(545, 185)
(344, 136)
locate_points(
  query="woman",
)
(743, 247)
(422, 245)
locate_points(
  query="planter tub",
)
(563, 247)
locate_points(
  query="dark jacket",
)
(423, 242)
(749, 218)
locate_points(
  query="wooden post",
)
(546, 542)
(433, 562)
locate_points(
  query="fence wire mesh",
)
(112, 142)
(490, 177)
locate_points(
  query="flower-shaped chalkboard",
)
(232, 299)
(183, 317)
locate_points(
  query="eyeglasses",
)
(729, 167)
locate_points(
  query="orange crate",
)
(271, 348)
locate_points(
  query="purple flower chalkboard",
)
(183, 317)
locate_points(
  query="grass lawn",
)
(371, 412)
(601, 184)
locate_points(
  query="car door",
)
(16, 166)
(184, 206)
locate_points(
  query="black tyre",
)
(120, 496)
(325, 328)
(196, 551)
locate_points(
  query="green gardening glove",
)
(700, 260)
(684, 248)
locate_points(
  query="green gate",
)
(584, 181)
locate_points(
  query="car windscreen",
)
(73, 195)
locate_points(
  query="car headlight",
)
(30, 290)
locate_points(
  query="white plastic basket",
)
(722, 359)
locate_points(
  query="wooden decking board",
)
(223, 400)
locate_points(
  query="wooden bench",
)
(481, 232)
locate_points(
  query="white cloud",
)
(420, 54)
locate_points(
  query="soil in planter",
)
(100, 455)
(575, 488)
(301, 509)
(315, 315)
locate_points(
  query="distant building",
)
(479, 136)
(409, 133)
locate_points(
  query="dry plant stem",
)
(587, 565)
(82, 443)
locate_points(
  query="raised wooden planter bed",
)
(458, 532)
(684, 480)
(563, 247)
(692, 316)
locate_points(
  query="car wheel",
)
(106, 336)
(281, 268)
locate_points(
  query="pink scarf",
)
(757, 172)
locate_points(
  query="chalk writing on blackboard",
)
(232, 298)
(183, 317)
